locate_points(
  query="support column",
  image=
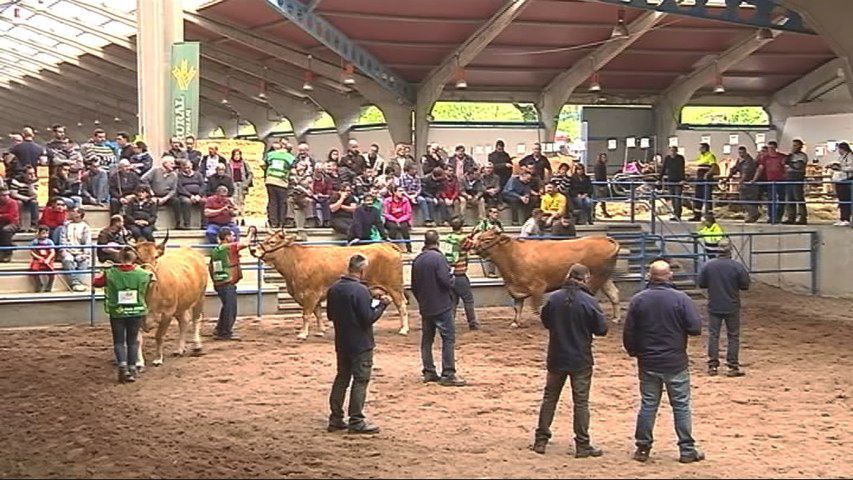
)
(399, 120)
(159, 24)
(423, 108)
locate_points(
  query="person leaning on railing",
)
(842, 177)
(795, 175)
(707, 164)
(747, 167)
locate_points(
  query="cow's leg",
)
(140, 360)
(197, 314)
(182, 317)
(518, 306)
(307, 311)
(612, 294)
(399, 299)
(162, 326)
(318, 317)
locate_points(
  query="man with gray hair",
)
(724, 278)
(657, 324)
(572, 316)
(353, 312)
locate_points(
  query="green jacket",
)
(278, 164)
(124, 293)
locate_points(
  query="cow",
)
(180, 283)
(530, 268)
(309, 271)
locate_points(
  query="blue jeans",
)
(228, 312)
(584, 204)
(33, 207)
(100, 187)
(444, 324)
(55, 234)
(72, 202)
(73, 263)
(427, 207)
(126, 339)
(715, 323)
(678, 390)
(212, 231)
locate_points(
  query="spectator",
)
(431, 188)
(492, 188)
(141, 161)
(672, 176)
(23, 189)
(193, 155)
(540, 165)
(724, 278)
(100, 159)
(657, 324)
(842, 176)
(457, 257)
(9, 160)
(56, 145)
(176, 149)
(747, 167)
(564, 226)
(342, 206)
(448, 198)
(76, 258)
(113, 238)
(518, 194)
(363, 183)
(398, 216)
(41, 259)
(141, 214)
(373, 161)
(563, 179)
(123, 183)
(323, 188)
(461, 163)
(602, 191)
(242, 176)
(710, 234)
(353, 159)
(350, 308)
(553, 204)
(53, 216)
(471, 194)
(209, 163)
(771, 170)
(572, 316)
(220, 178)
(65, 153)
(579, 192)
(334, 156)
(190, 193)
(62, 187)
(300, 203)
(412, 188)
(125, 147)
(303, 157)
(88, 185)
(531, 227)
(431, 159)
(501, 163)
(163, 181)
(432, 285)
(489, 222)
(28, 153)
(220, 213)
(125, 288)
(795, 194)
(276, 166)
(366, 222)
(10, 223)
(707, 166)
(225, 272)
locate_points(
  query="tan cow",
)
(530, 268)
(309, 271)
(177, 292)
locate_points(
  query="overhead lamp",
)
(459, 75)
(719, 88)
(116, 119)
(79, 124)
(263, 94)
(764, 34)
(348, 78)
(97, 122)
(307, 85)
(16, 15)
(620, 30)
(595, 83)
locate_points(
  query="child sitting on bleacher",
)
(53, 216)
(42, 259)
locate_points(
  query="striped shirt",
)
(102, 155)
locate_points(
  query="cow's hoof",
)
(140, 368)
(513, 325)
(179, 353)
(319, 334)
(404, 331)
(197, 352)
(302, 336)
(157, 363)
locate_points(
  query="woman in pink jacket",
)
(398, 216)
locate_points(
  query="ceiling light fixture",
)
(459, 75)
(719, 88)
(116, 119)
(348, 78)
(79, 124)
(620, 30)
(764, 34)
(595, 83)
(263, 94)
(16, 15)
(309, 76)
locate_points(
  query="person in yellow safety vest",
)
(710, 234)
(707, 167)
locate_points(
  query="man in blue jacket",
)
(432, 285)
(657, 324)
(572, 316)
(519, 194)
(353, 312)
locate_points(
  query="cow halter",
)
(500, 240)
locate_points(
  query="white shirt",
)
(530, 229)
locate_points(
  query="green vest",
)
(125, 292)
(454, 242)
(278, 164)
(220, 263)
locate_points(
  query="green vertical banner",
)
(183, 78)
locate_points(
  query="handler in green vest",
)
(276, 165)
(225, 272)
(125, 287)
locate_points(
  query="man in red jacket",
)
(10, 222)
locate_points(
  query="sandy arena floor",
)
(259, 408)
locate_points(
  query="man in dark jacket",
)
(572, 316)
(724, 278)
(123, 183)
(349, 307)
(219, 178)
(364, 219)
(190, 188)
(501, 162)
(432, 285)
(672, 174)
(657, 324)
(518, 193)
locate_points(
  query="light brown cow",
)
(178, 292)
(530, 268)
(309, 271)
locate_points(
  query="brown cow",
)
(309, 271)
(177, 292)
(530, 268)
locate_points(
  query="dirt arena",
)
(259, 408)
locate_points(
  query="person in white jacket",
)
(842, 177)
(77, 258)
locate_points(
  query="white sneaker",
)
(842, 223)
(79, 288)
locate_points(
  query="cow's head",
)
(488, 239)
(275, 241)
(147, 252)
